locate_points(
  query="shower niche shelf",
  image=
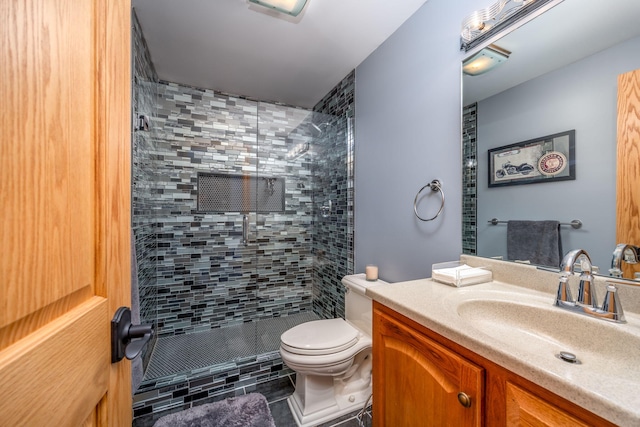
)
(239, 193)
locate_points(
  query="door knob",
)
(127, 340)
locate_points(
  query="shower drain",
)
(568, 357)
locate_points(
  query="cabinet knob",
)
(464, 399)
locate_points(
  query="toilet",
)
(332, 359)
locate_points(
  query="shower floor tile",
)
(185, 353)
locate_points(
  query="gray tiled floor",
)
(276, 393)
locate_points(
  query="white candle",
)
(371, 272)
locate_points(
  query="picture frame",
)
(545, 159)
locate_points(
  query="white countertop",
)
(611, 389)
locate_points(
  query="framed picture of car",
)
(545, 159)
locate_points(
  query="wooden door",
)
(64, 210)
(628, 165)
(416, 381)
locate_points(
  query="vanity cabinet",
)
(417, 380)
(421, 378)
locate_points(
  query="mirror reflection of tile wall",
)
(469, 179)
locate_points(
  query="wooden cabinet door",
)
(628, 165)
(416, 381)
(526, 409)
(64, 210)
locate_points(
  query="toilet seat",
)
(320, 337)
(322, 364)
(333, 364)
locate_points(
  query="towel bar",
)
(435, 185)
(576, 223)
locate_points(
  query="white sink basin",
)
(529, 324)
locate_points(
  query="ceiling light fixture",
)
(483, 20)
(485, 60)
(290, 7)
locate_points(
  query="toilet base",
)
(318, 399)
(323, 415)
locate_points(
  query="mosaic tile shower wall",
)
(333, 240)
(206, 277)
(469, 179)
(143, 198)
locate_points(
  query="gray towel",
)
(535, 241)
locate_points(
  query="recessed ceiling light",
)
(290, 7)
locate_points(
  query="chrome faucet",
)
(586, 296)
(586, 303)
(623, 252)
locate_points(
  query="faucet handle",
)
(615, 272)
(564, 292)
(611, 305)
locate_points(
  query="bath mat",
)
(242, 411)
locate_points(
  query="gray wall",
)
(408, 111)
(581, 96)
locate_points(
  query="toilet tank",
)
(358, 307)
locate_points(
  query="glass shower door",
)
(284, 265)
(250, 217)
(206, 157)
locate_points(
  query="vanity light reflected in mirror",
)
(483, 20)
(485, 60)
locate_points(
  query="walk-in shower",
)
(234, 243)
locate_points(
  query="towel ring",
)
(435, 185)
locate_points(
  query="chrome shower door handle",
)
(245, 230)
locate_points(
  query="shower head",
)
(319, 128)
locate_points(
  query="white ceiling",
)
(237, 47)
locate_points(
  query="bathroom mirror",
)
(561, 75)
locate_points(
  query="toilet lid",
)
(320, 337)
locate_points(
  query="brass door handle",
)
(464, 399)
